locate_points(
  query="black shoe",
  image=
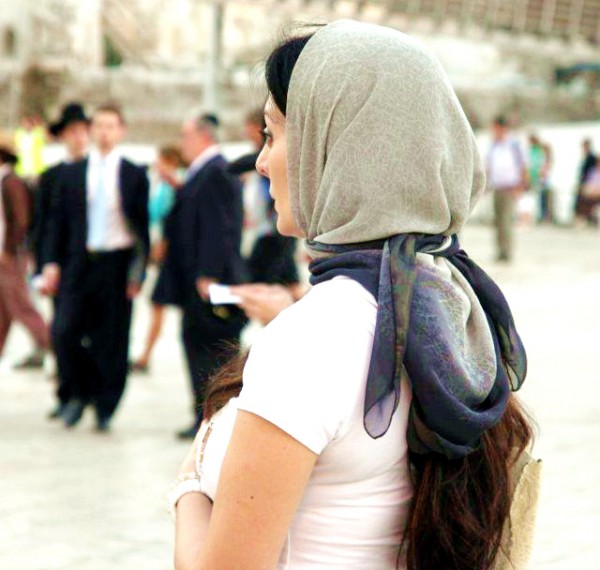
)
(57, 412)
(73, 412)
(189, 433)
(103, 425)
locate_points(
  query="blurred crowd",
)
(83, 232)
(520, 180)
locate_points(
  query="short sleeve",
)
(307, 369)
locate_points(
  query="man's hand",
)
(202, 285)
(50, 279)
(263, 302)
(133, 290)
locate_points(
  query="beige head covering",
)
(378, 143)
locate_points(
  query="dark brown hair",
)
(460, 506)
(224, 385)
(170, 153)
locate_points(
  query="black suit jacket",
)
(66, 232)
(45, 195)
(205, 227)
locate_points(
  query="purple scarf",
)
(413, 332)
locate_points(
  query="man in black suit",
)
(97, 248)
(72, 129)
(204, 248)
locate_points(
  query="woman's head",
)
(272, 161)
(168, 160)
(375, 141)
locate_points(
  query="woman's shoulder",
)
(307, 368)
(328, 331)
(329, 307)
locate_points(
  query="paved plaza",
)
(78, 500)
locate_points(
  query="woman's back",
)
(306, 374)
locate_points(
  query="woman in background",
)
(168, 167)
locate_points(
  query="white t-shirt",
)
(306, 374)
(505, 164)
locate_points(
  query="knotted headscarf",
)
(383, 171)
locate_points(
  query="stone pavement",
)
(76, 500)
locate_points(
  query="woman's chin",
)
(288, 228)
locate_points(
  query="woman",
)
(375, 427)
(168, 169)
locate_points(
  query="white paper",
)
(222, 295)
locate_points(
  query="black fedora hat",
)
(71, 113)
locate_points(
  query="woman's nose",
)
(261, 163)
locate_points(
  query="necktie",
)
(98, 212)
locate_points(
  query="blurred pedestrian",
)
(536, 161)
(30, 140)
(72, 131)
(204, 249)
(591, 190)
(15, 214)
(546, 198)
(168, 179)
(584, 205)
(507, 177)
(96, 263)
(272, 259)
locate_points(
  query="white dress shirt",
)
(202, 159)
(505, 164)
(118, 235)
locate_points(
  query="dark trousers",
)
(504, 220)
(91, 332)
(546, 213)
(210, 338)
(63, 391)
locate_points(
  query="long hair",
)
(460, 506)
(224, 385)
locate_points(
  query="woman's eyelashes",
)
(267, 137)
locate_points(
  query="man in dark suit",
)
(72, 129)
(205, 249)
(97, 248)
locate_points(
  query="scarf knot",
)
(458, 394)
